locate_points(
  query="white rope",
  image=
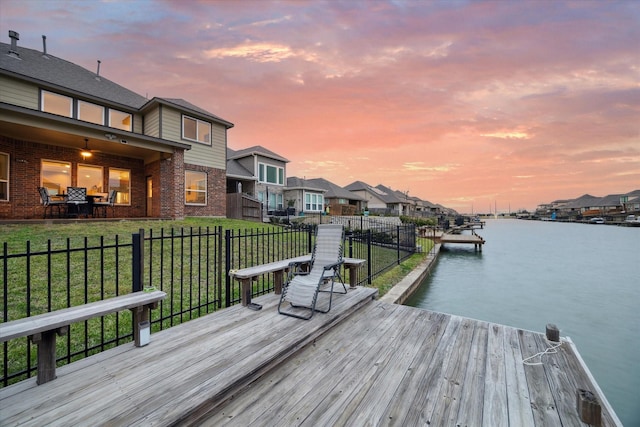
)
(550, 350)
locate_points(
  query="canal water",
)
(584, 278)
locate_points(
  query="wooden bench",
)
(278, 268)
(43, 328)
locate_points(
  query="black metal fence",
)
(191, 265)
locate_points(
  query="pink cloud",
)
(514, 103)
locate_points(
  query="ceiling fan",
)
(86, 152)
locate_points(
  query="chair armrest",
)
(334, 265)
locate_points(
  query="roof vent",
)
(98, 71)
(44, 46)
(13, 51)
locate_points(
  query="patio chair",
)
(49, 203)
(302, 287)
(102, 205)
(77, 201)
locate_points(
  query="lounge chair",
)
(302, 287)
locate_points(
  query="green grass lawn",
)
(98, 274)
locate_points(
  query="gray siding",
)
(137, 123)
(213, 155)
(171, 126)
(19, 93)
(152, 123)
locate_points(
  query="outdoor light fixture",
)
(85, 153)
(110, 136)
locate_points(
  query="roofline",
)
(67, 120)
(258, 153)
(164, 101)
(298, 187)
(252, 178)
(65, 90)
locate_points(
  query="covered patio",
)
(59, 154)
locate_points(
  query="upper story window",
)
(56, 104)
(270, 174)
(90, 112)
(120, 120)
(196, 130)
(62, 105)
(4, 177)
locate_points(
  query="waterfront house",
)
(317, 194)
(378, 201)
(268, 176)
(62, 125)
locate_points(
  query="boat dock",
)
(366, 362)
(454, 236)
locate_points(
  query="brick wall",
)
(216, 193)
(167, 176)
(24, 177)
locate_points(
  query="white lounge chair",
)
(302, 287)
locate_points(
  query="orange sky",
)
(467, 104)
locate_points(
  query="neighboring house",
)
(320, 195)
(590, 206)
(575, 207)
(339, 200)
(372, 199)
(304, 195)
(62, 125)
(401, 202)
(269, 171)
(239, 179)
(379, 199)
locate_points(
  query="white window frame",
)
(43, 104)
(313, 202)
(4, 180)
(201, 126)
(263, 174)
(187, 190)
(123, 198)
(82, 103)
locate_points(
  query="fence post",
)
(227, 267)
(369, 256)
(398, 244)
(137, 264)
(309, 245)
(219, 265)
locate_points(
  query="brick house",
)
(62, 126)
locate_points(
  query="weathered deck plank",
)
(495, 387)
(471, 413)
(406, 403)
(364, 363)
(300, 377)
(518, 402)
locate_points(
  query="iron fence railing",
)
(191, 265)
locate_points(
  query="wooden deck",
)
(364, 363)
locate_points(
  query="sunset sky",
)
(469, 104)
